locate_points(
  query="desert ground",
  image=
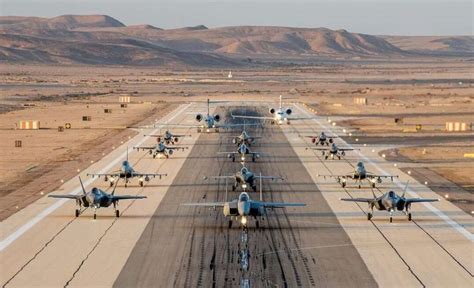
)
(424, 92)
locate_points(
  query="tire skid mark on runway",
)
(414, 221)
(437, 242)
(130, 203)
(53, 207)
(187, 277)
(453, 223)
(364, 211)
(71, 222)
(38, 252)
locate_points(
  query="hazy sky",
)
(393, 17)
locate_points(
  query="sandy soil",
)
(427, 93)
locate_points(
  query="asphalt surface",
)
(189, 247)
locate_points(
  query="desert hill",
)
(101, 39)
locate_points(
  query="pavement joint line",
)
(7, 241)
(401, 185)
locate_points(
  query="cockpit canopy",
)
(244, 197)
(391, 194)
(125, 163)
(95, 191)
(244, 170)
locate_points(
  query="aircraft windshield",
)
(95, 191)
(391, 194)
(244, 197)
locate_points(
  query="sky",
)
(378, 17)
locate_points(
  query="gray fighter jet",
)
(390, 202)
(160, 149)
(322, 139)
(242, 151)
(126, 172)
(244, 138)
(333, 151)
(358, 175)
(243, 208)
(96, 198)
(244, 178)
(168, 137)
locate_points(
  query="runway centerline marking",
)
(31, 223)
(401, 185)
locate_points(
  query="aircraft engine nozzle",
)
(313, 140)
(106, 179)
(400, 205)
(289, 111)
(330, 140)
(158, 139)
(272, 110)
(199, 117)
(147, 178)
(217, 118)
(176, 139)
(170, 152)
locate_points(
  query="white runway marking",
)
(401, 185)
(28, 225)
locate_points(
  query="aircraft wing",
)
(301, 118)
(419, 200)
(231, 153)
(138, 174)
(208, 204)
(219, 177)
(252, 117)
(364, 200)
(116, 174)
(269, 177)
(143, 148)
(235, 125)
(318, 148)
(67, 196)
(372, 175)
(127, 197)
(177, 148)
(281, 204)
(336, 176)
(347, 149)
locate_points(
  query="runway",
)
(193, 247)
(157, 242)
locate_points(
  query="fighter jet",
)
(96, 198)
(245, 178)
(358, 175)
(244, 138)
(322, 139)
(243, 208)
(160, 149)
(333, 151)
(126, 172)
(280, 115)
(242, 150)
(168, 137)
(390, 202)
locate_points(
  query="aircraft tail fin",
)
(116, 182)
(82, 186)
(373, 192)
(405, 189)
